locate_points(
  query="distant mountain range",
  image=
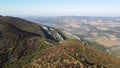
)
(24, 44)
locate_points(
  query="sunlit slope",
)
(73, 54)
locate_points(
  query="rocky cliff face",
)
(57, 35)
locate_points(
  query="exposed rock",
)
(52, 33)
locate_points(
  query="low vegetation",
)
(24, 47)
(73, 54)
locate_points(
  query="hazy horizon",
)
(60, 8)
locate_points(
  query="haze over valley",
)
(101, 30)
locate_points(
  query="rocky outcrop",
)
(57, 35)
(44, 31)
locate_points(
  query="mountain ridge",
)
(73, 54)
(24, 44)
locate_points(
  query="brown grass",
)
(72, 54)
(107, 42)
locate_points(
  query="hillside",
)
(42, 30)
(27, 44)
(15, 43)
(20, 38)
(73, 54)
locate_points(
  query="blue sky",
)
(60, 7)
